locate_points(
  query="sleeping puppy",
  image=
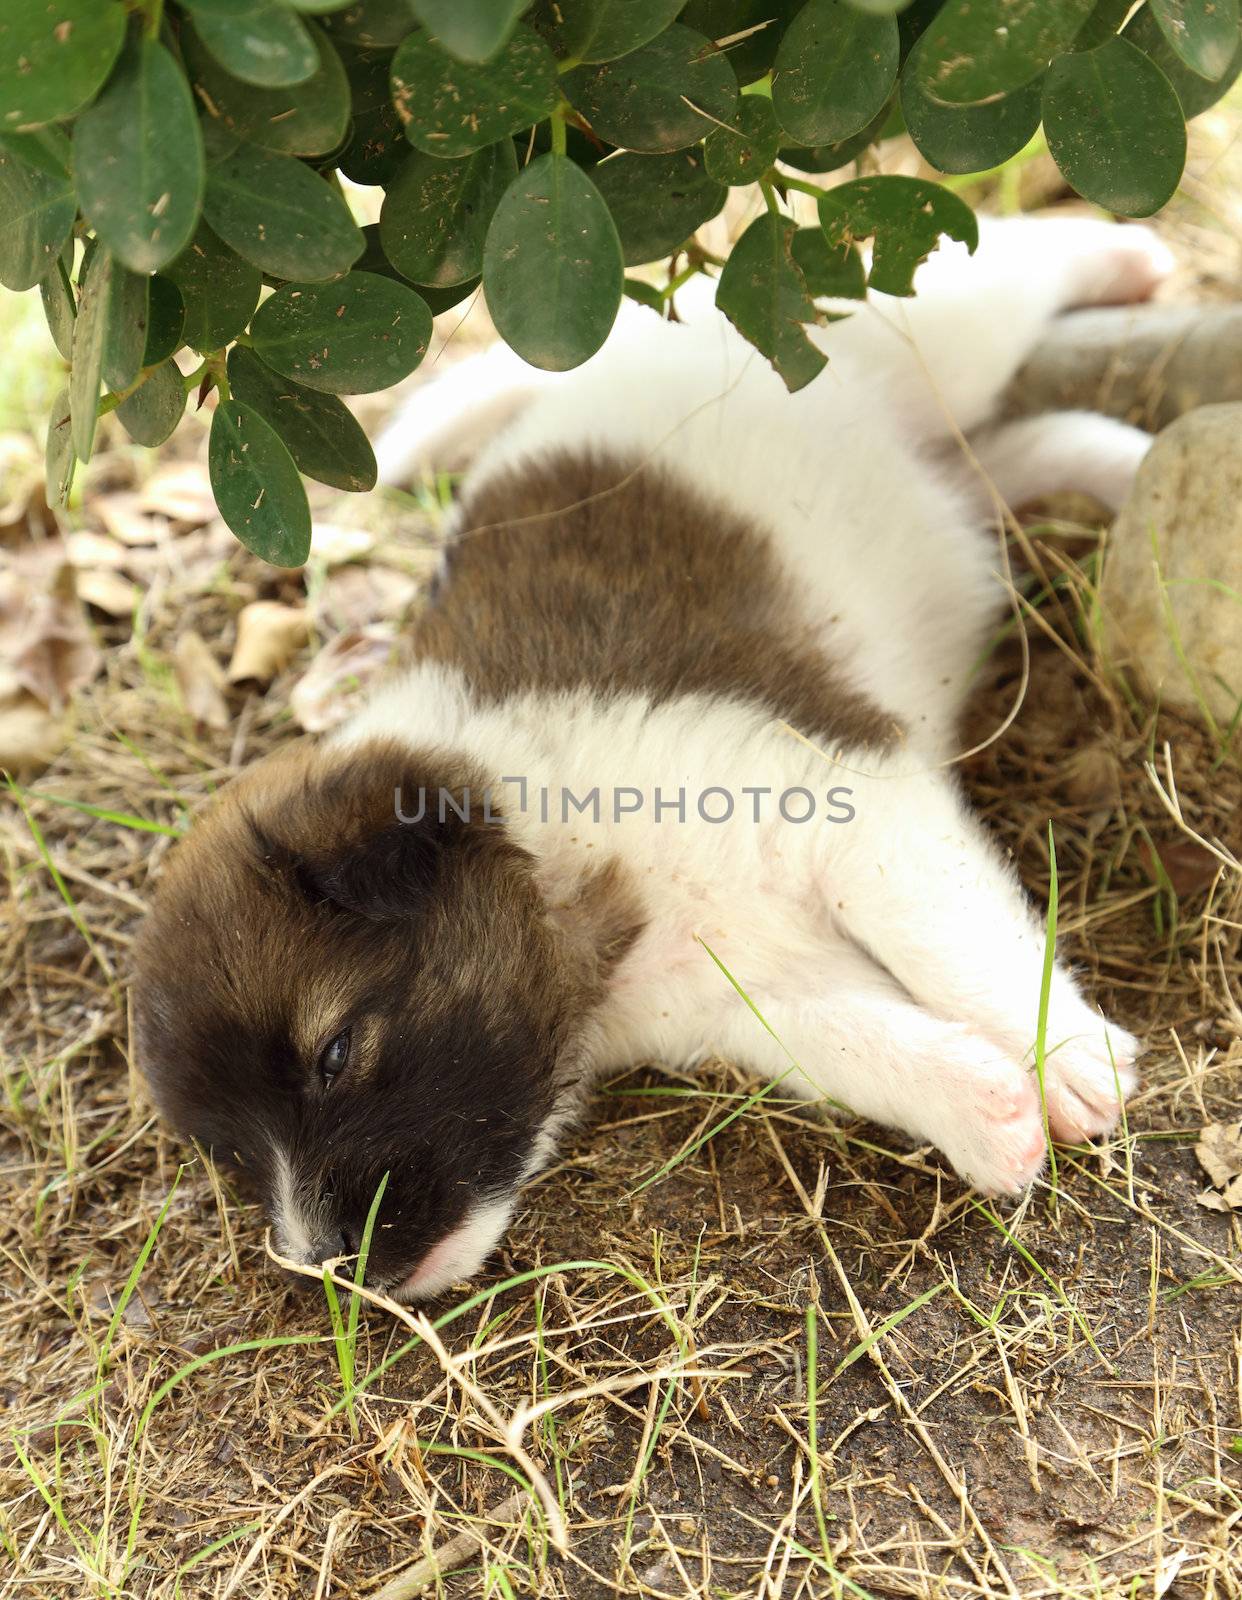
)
(684, 700)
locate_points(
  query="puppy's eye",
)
(334, 1057)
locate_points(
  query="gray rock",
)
(1146, 364)
(1171, 591)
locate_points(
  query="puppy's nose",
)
(327, 1246)
(334, 1245)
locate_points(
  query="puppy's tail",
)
(442, 425)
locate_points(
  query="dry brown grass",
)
(804, 1362)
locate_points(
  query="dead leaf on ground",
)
(109, 591)
(1166, 1573)
(44, 637)
(333, 543)
(1187, 866)
(269, 635)
(30, 735)
(201, 681)
(102, 1299)
(23, 504)
(330, 689)
(1220, 1155)
(180, 492)
(195, 561)
(86, 549)
(355, 597)
(124, 517)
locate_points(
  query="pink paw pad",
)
(1130, 269)
(998, 1145)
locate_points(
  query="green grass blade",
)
(1045, 991)
(886, 1327)
(123, 819)
(131, 1283)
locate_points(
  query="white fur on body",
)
(894, 955)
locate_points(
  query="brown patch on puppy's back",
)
(583, 571)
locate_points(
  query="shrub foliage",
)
(161, 163)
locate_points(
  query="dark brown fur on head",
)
(299, 907)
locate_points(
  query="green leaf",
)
(152, 412)
(436, 213)
(218, 142)
(377, 144)
(319, 431)
(1115, 127)
(657, 202)
(552, 265)
(645, 293)
(89, 332)
(451, 108)
(54, 55)
(650, 101)
(37, 207)
(1103, 22)
(439, 300)
(743, 152)
(125, 326)
(372, 24)
(59, 459)
(906, 217)
(89, 245)
(257, 487)
(165, 321)
(219, 289)
(362, 333)
(831, 274)
(830, 157)
(970, 53)
(601, 30)
(281, 215)
(138, 159)
(764, 295)
(967, 138)
(1202, 33)
(262, 44)
(753, 29)
(58, 307)
(834, 71)
(303, 119)
(1195, 93)
(373, 259)
(471, 30)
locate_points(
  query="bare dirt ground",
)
(798, 1361)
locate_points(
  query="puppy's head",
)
(340, 979)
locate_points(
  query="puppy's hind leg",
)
(914, 879)
(865, 1045)
(1063, 450)
(442, 425)
(950, 351)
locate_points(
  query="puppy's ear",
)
(367, 830)
(443, 425)
(386, 874)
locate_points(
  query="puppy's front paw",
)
(1086, 1078)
